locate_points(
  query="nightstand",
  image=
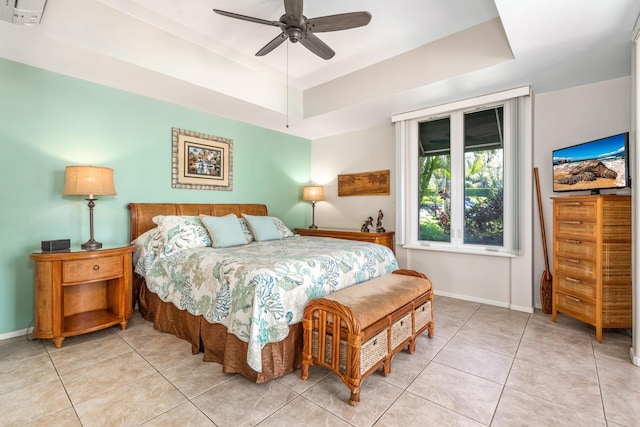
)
(80, 291)
(384, 239)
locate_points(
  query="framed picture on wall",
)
(201, 161)
(374, 183)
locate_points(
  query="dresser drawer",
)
(577, 307)
(575, 209)
(91, 269)
(576, 248)
(578, 287)
(576, 267)
(576, 228)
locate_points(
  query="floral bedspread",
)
(257, 290)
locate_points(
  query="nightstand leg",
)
(123, 325)
(57, 341)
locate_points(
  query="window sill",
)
(469, 251)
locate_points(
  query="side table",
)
(80, 291)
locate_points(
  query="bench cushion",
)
(372, 300)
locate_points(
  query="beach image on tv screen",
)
(593, 165)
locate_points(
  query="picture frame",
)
(201, 161)
(374, 183)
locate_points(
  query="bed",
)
(240, 305)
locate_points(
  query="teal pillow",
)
(225, 231)
(263, 227)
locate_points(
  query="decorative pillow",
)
(246, 230)
(282, 228)
(181, 232)
(224, 231)
(263, 227)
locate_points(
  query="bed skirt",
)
(278, 359)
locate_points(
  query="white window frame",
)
(407, 172)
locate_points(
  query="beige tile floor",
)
(485, 366)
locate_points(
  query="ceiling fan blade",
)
(248, 18)
(293, 8)
(272, 44)
(317, 46)
(342, 21)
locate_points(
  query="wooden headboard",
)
(140, 214)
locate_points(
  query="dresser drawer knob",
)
(571, 279)
(575, 242)
(573, 261)
(574, 299)
(573, 222)
(96, 267)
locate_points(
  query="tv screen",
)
(594, 165)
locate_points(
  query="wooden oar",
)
(546, 282)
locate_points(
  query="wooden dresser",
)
(592, 260)
(384, 239)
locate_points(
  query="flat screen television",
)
(595, 165)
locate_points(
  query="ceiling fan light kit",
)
(298, 28)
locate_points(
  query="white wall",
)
(560, 118)
(363, 151)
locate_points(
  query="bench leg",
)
(412, 346)
(386, 367)
(431, 329)
(304, 371)
(355, 397)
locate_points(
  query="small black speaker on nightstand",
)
(56, 245)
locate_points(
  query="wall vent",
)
(22, 12)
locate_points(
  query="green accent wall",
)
(49, 121)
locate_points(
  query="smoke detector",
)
(22, 12)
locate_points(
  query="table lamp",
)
(89, 181)
(313, 194)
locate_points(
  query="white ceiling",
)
(413, 54)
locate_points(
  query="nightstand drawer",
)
(576, 267)
(578, 287)
(91, 269)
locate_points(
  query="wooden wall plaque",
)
(374, 183)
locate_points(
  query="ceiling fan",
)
(298, 28)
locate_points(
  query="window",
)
(457, 176)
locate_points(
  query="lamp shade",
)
(88, 181)
(313, 193)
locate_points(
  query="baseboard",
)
(634, 358)
(484, 301)
(521, 308)
(13, 334)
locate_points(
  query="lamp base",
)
(313, 227)
(91, 245)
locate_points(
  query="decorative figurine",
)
(379, 227)
(368, 223)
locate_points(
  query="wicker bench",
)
(374, 320)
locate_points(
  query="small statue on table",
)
(379, 227)
(367, 223)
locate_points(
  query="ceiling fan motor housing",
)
(294, 28)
